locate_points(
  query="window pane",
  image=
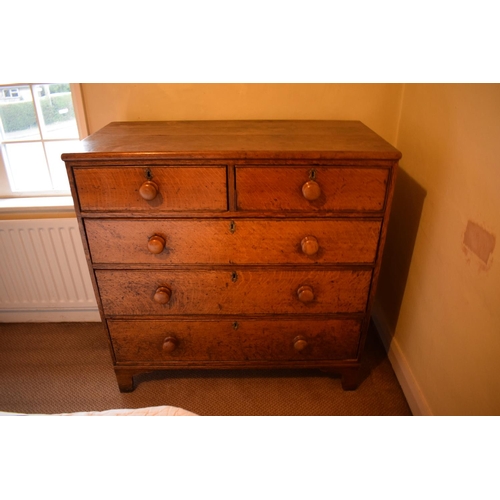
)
(55, 108)
(54, 150)
(27, 167)
(17, 114)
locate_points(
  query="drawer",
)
(238, 291)
(229, 340)
(227, 242)
(278, 189)
(179, 189)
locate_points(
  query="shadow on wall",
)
(406, 210)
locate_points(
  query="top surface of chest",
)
(275, 139)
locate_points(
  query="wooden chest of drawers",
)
(234, 244)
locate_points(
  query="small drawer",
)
(240, 241)
(234, 340)
(155, 189)
(238, 291)
(327, 189)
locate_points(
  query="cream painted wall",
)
(376, 105)
(436, 298)
(448, 324)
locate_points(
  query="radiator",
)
(43, 272)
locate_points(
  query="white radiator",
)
(43, 272)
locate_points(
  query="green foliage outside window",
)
(57, 88)
(21, 115)
(17, 116)
(52, 106)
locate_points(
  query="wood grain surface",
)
(237, 291)
(234, 244)
(227, 241)
(236, 139)
(142, 341)
(280, 189)
(180, 189)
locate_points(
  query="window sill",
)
(37, 206)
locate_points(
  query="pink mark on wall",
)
(480, 242)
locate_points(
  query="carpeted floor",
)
(66, 367)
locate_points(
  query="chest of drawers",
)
(234, 244)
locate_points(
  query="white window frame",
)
(49, 200)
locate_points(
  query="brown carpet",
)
(66, 367)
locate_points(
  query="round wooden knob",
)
(299, 343)
(309, 245)
(162, 295)
(311, 190)
(149, 190)
(170, 344)
(156, 244)
(305, 294)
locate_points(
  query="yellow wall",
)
(376, 105)
(440, 302)
(448, 323)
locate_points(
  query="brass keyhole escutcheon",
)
(232, 227)
(312, 175)
(236, 325)
(234, 276)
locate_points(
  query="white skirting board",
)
(411, 389)
(43, 272)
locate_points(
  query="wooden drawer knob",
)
(162, 295)
(170, 344)
(305, 294)
(299, 343)
(311, 190)
(309, 245)
(156, 244)
(148, 190)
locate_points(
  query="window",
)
(11, 93)
(38, 122)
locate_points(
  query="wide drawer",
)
(340, 189)
(228, 340)
(227, 242)
(238, 291)
(179, 189)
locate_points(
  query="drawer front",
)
(266, 340)
(179, 189)
(340, 189)
(232, 242)
(247, 292)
